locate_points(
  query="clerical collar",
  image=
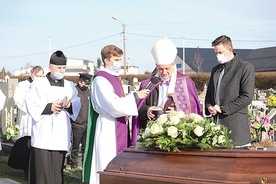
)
(55, 82)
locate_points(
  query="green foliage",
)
(11, 131)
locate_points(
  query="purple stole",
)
(122, 131)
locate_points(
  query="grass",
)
(70, 176)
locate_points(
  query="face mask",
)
(116, 67)
(58, 76)
(222, 58)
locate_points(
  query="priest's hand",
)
(150, 114)
(143, 93)
(56, 106)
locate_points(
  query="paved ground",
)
(7, 181)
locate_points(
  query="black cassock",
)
(20, 153)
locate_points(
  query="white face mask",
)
(222, 58)
(116, 67)
(58, 76)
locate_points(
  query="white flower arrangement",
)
(177, 129)
(11, 131)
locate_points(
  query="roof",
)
(208, 56)
(263, 59)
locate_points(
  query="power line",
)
(39, 53)
(137, 34)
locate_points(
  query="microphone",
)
(153, 81)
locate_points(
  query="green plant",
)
(11, 131)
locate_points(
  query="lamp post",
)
(183, 56)
(124, 41)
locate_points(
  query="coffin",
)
(191, 166)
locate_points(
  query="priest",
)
(174, 91)
(51, 102)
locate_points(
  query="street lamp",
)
(124, 41)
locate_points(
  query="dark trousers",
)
(46, 166)
(78, 136)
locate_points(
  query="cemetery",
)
(236, 162)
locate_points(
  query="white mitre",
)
(164, 53)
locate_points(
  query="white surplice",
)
(109, 106)
(51, 131)
(23, 118)
(2, 103)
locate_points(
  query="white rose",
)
(162, 119)
(196, 117)
(198, 130)
(180, 114)
(146, 133)
(155, 129)
(212, 124)
(172, 131)
(221, 139)
(174, 120)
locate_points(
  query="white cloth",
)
(164, 52)
(23, 118)
(109, 106)
(51, 131)
(2, 100)
(2, 103)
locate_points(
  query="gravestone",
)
(12, 83)
(8, 115)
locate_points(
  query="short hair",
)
(36, 69)
(111, 50)
(224, 40)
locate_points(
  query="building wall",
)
(73, 68)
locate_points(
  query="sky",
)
(31, 30)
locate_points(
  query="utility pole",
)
(124, 41)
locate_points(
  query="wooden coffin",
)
(193, 166)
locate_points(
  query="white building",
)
(130, 70)
(73, 68)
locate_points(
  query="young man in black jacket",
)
(230, 91)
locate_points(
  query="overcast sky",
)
(30, 28)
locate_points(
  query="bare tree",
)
(99, 63)
(198, 60)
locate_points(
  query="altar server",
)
(20, 152)
(107, 133)
(2, 103)
(51, 102)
